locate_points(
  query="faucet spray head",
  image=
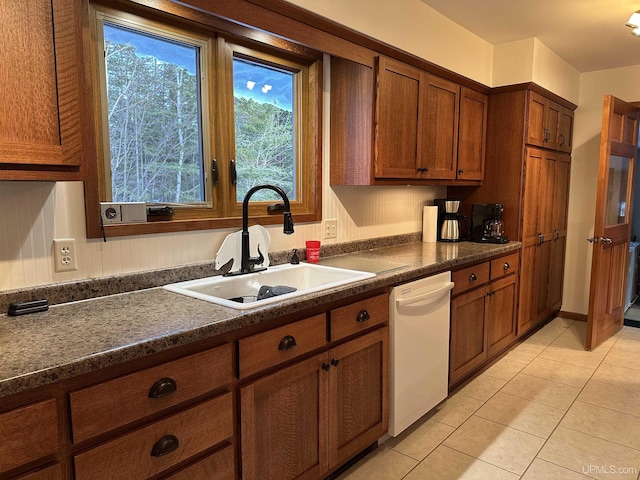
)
(288, 223)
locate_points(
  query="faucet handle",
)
(294, 258)
(259, 260)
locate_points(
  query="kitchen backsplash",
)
(35, 213)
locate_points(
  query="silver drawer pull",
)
(363, 316)
(506, 266)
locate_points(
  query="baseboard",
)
(632, 323)
(581, 317)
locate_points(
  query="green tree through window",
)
(153, 112)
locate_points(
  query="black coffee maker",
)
(486, 223)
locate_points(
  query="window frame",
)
(220, 210)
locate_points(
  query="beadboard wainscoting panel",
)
(36, 212)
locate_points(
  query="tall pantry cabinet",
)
(527, 170)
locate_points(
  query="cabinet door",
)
(398, 101)
(538, 235)
(561, 202)
(284, 418)
(501, 318)
(565, 130)
(543, 121)
(536, 133)
(552, 115)
(359, 394)
(40, 95)
(439, 133)
(472, 135)
(468, 345)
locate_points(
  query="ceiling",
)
(588, 34)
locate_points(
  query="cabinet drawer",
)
(503, 266)
(470, 277)
(138, 455)
(218, 466)
(115, 403)
(278, 345)
(359, 316)
(53, 472)
(28, 433)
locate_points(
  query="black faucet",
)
(247, 262)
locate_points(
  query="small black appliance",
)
(486, 223)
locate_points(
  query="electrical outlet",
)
(64, 254)
(331, 228)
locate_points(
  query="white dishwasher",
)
(419, 351)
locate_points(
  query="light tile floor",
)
(546, 410)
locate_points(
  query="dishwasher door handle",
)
(428, 297)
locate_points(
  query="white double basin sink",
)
(241, 291)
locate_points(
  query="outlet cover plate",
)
(331, 228)
(64, 254)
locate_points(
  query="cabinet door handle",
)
(287, 343)
(214, 171)
(556, 234)
(422, 169)
(604, 240)
(233, 176)
(506, 266)
(363, 316)
(472, 277)
(165, 445)
(163, 387)
(335, 362)
(326, 367)
(461, 171)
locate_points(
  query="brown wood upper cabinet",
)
(426, 127)
(40, 98)
(550, 125)
(420, 129)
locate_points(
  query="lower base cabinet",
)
(305, 419)
(483, 315)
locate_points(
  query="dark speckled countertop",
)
(79, 337)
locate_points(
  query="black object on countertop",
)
(22, 308)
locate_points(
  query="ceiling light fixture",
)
(634, 23)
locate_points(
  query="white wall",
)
(531, 60)
(414, 27)
(622, 83)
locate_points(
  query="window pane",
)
(153, 98)
(616, 210)
(264, 129)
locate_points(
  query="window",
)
(152, 106)
(191, 120)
